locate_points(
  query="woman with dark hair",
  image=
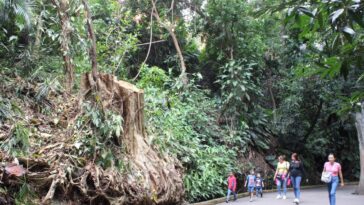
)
(334, 169)
(280, 177)
(296, 172)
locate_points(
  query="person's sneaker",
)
(284, 197)
(296, 201)
(251, 200)
(279, 197)
(227, 201)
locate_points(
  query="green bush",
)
(180, 126)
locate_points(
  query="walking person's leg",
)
(279, 185)
(329, 185)
(334, 184)
(298, 180)
(260, 191)
(235, 195)
(293, 181)
(228, 195)
(284, 188)
(251, 192)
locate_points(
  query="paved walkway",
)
(344, 196)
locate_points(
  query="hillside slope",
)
(62, 148)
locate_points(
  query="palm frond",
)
(24, 10)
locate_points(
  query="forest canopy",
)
(151, 101)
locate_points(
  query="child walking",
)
(259, 185)
(250, 183)
(231, 187)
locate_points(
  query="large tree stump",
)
(158, 177)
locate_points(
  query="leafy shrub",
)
(152, 76)
(180, 126)
(6, 111)
(207, 179)
(25, 195)
(18, 142)
(106, 127)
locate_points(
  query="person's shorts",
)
(251, 189)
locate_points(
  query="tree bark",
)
(62, 7)
(170, 28)
(359, 123)
(270, 89)
(161, 175)
(38, 36)
(92, 37)
(315, 120)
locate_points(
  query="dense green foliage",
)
(265, 78)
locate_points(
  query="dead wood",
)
(161, 177)
(58, 174)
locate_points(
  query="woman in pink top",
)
(335, 169)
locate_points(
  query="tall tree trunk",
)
(62, 10)
(269, 59)
(170, 28)
(359, 122)
(92, 37)
(270, 89)
(38, 36)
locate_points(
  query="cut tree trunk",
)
(62, 7)
(159, 177)
(359, 122)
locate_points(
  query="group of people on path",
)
(253, 182)
(289, 173)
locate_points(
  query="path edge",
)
(245, 194)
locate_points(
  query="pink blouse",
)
(333, 168)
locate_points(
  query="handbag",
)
(326, 177)
(289, 182)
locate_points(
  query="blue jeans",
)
(229, 193)
(296, 183)
(280, 183)
(332, 189)
(259, 190)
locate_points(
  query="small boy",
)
(231, 187)
(259, 185)
(250, 183)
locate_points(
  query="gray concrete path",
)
(319, 196)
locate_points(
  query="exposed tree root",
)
(161, 177)
(57, 174)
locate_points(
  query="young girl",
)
(259, 185)
(280, 177)
(335, 169)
